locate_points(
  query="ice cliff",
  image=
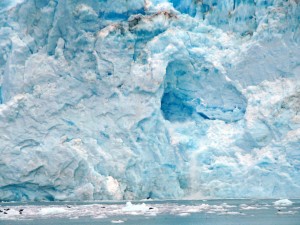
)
(117, 99)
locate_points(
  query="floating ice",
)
(107, 211)
(179, 211)
(287, 213)
(52, 210)
(283, 202)
(184, 214)
(117, 221)
(135, 207)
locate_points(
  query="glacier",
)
(115, 99)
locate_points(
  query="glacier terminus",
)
(161, 99)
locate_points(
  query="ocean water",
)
(202, 212)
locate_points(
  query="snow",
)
(149, 99)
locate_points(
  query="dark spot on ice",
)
(149, 195)
(203, 116)
(132, 23)
(151, 208)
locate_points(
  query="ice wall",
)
(149, 98)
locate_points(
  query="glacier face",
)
(149, 98)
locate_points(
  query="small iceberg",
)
(138, 207)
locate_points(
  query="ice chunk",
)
(283, 202)
(184, 214)
(117, 221)
(52, 210)
(135, 207)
